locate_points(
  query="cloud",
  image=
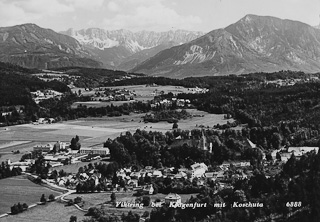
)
(157, 15)
(40, 7)
(15, 12)
(85, 4)
(152, 15)
(114, 7)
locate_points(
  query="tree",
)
(51, 197)
(20, 207)
(73, 219)
(75, 144)
(175, 126)
(14, 209)
(146, 200)
(113, 197)
(278, 156)
(43, 199)
(25, 206)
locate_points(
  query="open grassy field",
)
(20, 189)
(74, 168)
(102, 199)
(51, 212)
(5, 144)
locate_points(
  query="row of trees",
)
(18, 208)
(6, 171)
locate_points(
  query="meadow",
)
(20, 189)
(51, 212)
(102, 200)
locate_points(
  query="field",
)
(20, 189)
(102, 199)
(74, 168)
(51, 212)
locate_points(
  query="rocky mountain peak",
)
(123, 48)
(252, 44)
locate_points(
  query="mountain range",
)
(30, 46)
(253, 44)
(123, 49)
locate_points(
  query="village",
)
(139, 181)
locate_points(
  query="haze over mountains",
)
(123, 49)
(253, 44)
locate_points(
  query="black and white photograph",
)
(159, 110)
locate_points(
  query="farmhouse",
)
(99, 151)
(172, 198)
(43, 148)
(22, 165)
(198, 169)
(60, 145)
(299, 151)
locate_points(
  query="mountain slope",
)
(30, 46)
(123, 49)
(253, 44)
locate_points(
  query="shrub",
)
(43, 199)
(51, 197)
(77, 200)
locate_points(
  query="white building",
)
(172, 198)
(99, 151)
(198, 169)
(43, 148)
(299, 151)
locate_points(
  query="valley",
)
(111, 121)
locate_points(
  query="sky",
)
(154, 15)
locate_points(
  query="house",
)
(43, 148)
(60, 145)
(157, 173)
(299, 151)
(22, 165)
(121, 174)
(41, 120)
(83, 176)
(220, 175)
(149, 189)
(180, 175)
(172, 198)
(135, 175)
(100, 151)
(198, 169)
(210, 175)
(133, 183)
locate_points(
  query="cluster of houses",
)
(197, 170)
(198, 90)
(41, 95)
(286, 153)
(112, 95)
(59, 154)
(47, 120)
(170, 102)
(291, 82)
